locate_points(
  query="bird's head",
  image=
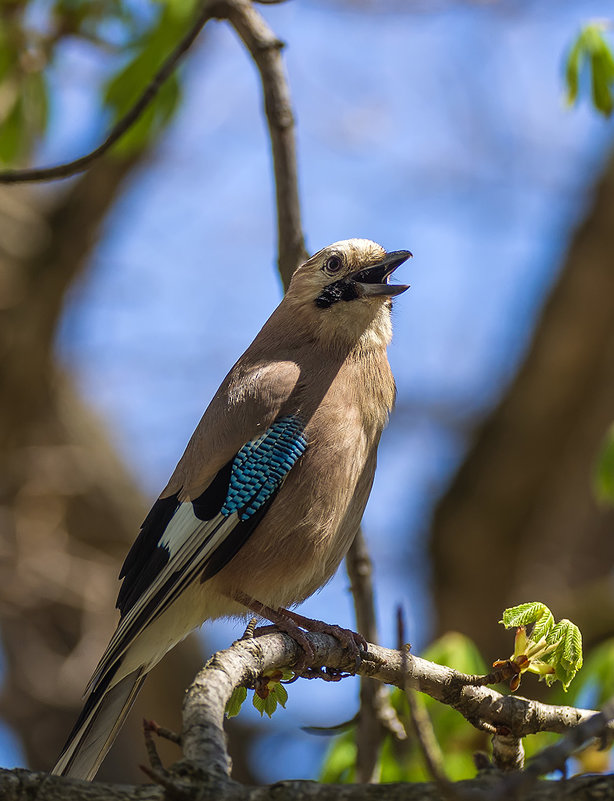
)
(343, 291)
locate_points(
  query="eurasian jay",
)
(270, 491)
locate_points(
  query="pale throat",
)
(371, 330)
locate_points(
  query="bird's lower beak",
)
(374, 280)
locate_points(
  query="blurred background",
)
(126, 295)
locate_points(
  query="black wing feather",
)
(147, 558)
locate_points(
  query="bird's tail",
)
(97, 726)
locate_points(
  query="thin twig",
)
(360, 571)
(149, 728)
(376, 714)
(421, 722)
(164, 733)
(132, 115)
(369, 731)
(265, 49)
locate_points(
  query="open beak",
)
(373, 280)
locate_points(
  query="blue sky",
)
(445, 133)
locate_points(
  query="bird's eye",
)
(333, 264)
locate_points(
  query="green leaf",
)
(457, 651)
(123, 90)
(266, 705)
(572, 71)
(339, 765)
(603, 479)
(595, 685)
(601, 64)
(525, 614)
(543, 625)
(12, 134)
(567, 658)
(235, 702)
(280, 693)
(591, 49)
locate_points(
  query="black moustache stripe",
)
(345, 289)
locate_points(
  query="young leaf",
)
(280, 693)
(566, 659)
(572, 71)
(525, 614)
(554, 653)
(543, 625)
(268, 704)
(590, 48)
(596, 682)
(235, 702)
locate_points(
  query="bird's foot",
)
(351, 640)
(293, 624)
(283, 622)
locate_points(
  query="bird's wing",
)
(186, 541)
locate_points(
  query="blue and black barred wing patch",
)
(181, 543)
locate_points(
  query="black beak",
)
(374, 280)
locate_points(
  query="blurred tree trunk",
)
(69, 509)
(519, 521)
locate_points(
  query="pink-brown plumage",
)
(321, 360)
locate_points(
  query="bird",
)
(270, 491)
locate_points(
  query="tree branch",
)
(376, 715)
(203, 773)
(127, 121)
(248, 659)
(265, 49)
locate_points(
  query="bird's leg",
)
(283, 622)
(292, 623)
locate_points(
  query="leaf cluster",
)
(268, 694)
(551, 650)
(132, 43)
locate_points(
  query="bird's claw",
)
(354, 642)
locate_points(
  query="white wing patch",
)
(190, 541)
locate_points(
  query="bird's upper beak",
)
(374, 280)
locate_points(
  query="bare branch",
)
(421, 722)
(265, 49)
(425, 735)
(121, 126)
(360, 571)
(376, 716)
(507, 751)
(369, 731)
